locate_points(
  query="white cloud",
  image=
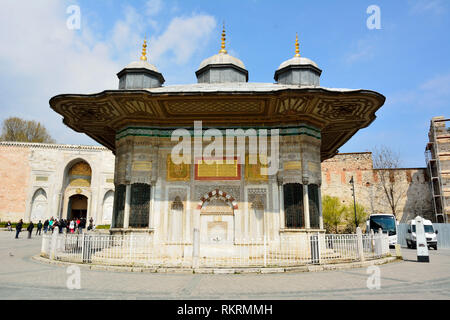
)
(40, 57)
(183, 37)
(153, 7)
(439, 85)
(424, 6)
(364, 50)
(432, 93)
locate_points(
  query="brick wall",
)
(412, 184)
(14, 181)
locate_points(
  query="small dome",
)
(298, 61)
(140, 74)
(221, 68)
(221, 59)
(141, 65)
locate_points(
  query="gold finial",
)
(223, 40)
(144, 51)
(297, 50)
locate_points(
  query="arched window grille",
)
(119, 206)
(140, 205)
(293, 205)
(313, 197)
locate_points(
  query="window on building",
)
(313, 200)
(140, 205)
(119, 206)
(293, 205)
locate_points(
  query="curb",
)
(250, 270)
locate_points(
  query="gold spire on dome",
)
(297, 50)
(144, 51)
(223, 40)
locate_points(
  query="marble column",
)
(306, 204)
(320, 207)
(126, 216)
(151, 222)
(281, 204)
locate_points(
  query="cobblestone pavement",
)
(24, 278)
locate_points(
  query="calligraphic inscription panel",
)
(219, 169)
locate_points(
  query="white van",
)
(430, 234)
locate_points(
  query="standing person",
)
(63, 226)
(19, 228)
(45, 226)
(30, 229)
(9, 226)
(50, 225)
(72, 226)
(56, 224)
(39, 227)
(81, 226)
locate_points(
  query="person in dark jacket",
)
(19, 228)
(45, 226)
(30, 229)
(39, 227)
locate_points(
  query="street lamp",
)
(354, 201)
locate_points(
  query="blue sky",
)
(407, 60)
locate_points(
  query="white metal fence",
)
(142, 251)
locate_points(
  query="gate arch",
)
(218, 194)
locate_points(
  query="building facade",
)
(251, 152)
(41, 181)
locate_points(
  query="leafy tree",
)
(361, 216)
(20, 130)
(333, 212)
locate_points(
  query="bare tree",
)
(17, 129)
(385, 162)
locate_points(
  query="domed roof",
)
(297, 61)
(220, 59)
(141, 65)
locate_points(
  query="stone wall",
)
(412, 185)
(26, 168)
(15, 178)
(34, 180)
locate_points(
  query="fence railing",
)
(142, 250)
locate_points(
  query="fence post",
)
(195, 248)
(54, 243)
(372, 241)
(82, 248)
(265, 250)
(44, 244)
(360, 244)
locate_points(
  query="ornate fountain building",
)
(218, 203)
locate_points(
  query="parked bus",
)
(386, 222)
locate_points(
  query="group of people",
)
(64, 226)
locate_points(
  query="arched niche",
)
(39, 205)
(79, 174)
(107, 207)
(256, 224)
(175, 225)
(217, 221)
